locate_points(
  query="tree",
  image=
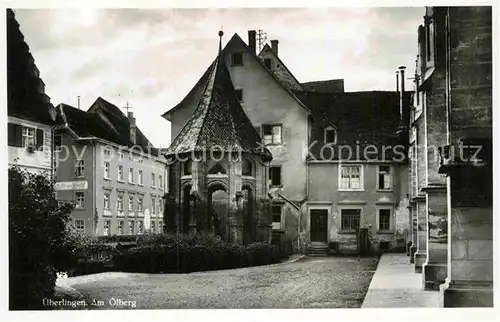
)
(40, 243)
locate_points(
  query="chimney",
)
(131, 120)
(274, 46)
(251, 40)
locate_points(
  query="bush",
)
(189, 253)
(40, 244)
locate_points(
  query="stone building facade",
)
(451, 158)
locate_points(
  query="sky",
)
(151, 58)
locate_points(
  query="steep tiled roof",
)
(362, 119)
(218, 122)
(281, 70)
(104, 121)
(26, 96)
(325, 86)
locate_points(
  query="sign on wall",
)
(71, 185)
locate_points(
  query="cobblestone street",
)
(321, 282)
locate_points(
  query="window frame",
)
(131, 175)
(131, 227)
(29, 128)
(121, 227)
(240, 53)
(391, 178)
(361, 177)
(106, 200)
(160, 181)
(347, 208)
(58, 148)
(139, 204)
(265, 60)
(281, 224)
(82, 221)
(131, 203)
(79, 168)
(119, 203)
(153, 180)
(272, 125)
(77, 203)
(107, 231)
(140, 177)
(270, 181)
(120, 173)
(391, 221)
(330, 128)
(107, 170)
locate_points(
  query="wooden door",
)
(319, 225)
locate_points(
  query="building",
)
(289, 115)
(357, 172)
(216, 159)
(108, 168)
(451, 156)
(30, 114)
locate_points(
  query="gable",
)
(279, 69)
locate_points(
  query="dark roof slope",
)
(26, 96)
(325, 86)
(282, 72)
(218, 122)
(362, 119)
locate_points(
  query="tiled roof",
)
(325, 86)
(104, 121)
(361, 118)
(218, 122)
(25, 89)
(281, 70)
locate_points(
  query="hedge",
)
(184, 254)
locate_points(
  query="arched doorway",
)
(217, 210)
(249, 217)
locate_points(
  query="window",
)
(106, 201)
(28, 136)
(107, 224)
(153, 180)
(160, 226)
(58, 142)
(160, 179)
(140, 226)
(187, 167)
(79, 168)
(271, 134)
(106, 170)
(275, 176)
(153, 205)
(237, 59)
(330, 135)
(120, 227)
(131, 175)
(247, 168)
(351, 177)
(107, 153)
(131, 227)
(139, 204)
(141, 178)
(160, 205)
(384, 178)
(79, 200)
(239, 94)
(350, 219)
(267, 62)
(120, 173)
(80, 226)
(276, 215)
(120, 156)
(384, 219)
(119, 203)
(153, 226)
(130, 203)
(429, 41)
